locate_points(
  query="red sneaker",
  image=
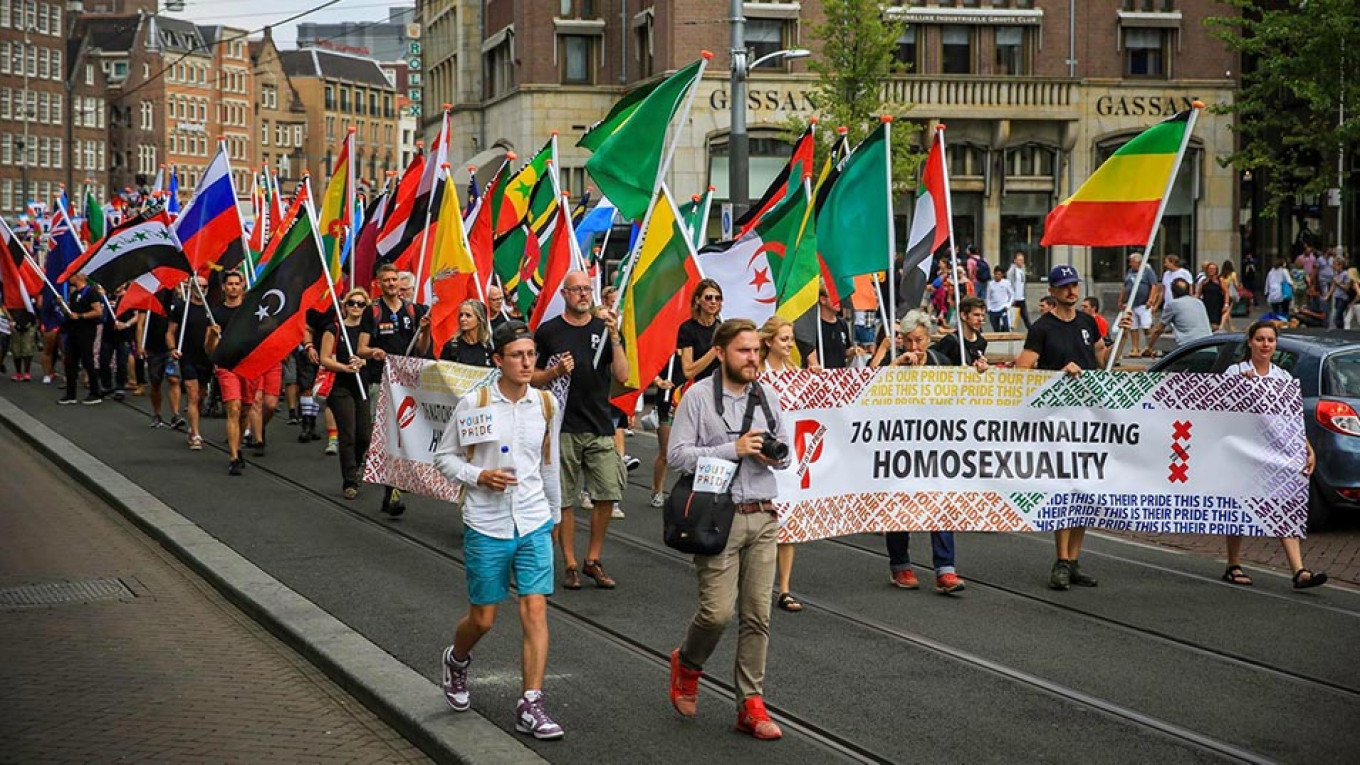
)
(753, 719)
(684, 686)
(948, 584)
(906, 579)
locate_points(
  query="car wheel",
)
(1319, 509)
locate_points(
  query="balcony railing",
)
(965, 91)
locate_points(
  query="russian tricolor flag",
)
(210, 228)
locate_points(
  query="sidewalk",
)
(147, 662)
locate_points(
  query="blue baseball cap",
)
(1061, 276)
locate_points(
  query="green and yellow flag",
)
(789, 230)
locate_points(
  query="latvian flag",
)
(139, 247)
(18, 275)
(929, 228)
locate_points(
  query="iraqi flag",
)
(210, 228)
(140, 246)
(19, 275)
(929, 228)
(270, 322)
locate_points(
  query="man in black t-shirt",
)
(191, 364)
(150, 342)
(495, 307)
(567, 345)
(87, 309)
(837, 346)
(1066, 340)
(312, 399)
(972, 312)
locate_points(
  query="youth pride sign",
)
(948, 449)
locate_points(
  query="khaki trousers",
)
(742, 574)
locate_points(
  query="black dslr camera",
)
(772, 448)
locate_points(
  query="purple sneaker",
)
(455, 681)
(532, 719)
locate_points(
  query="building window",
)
(576, 59)
(764, 36)
(906, 52)
(1010, 51)
(344, 99)
(297, 135)
(330, 97)
(56, 64)
(956, 49)
(1150, 6)
(264, 132)
(89, 74)
(1144, 52)
(147, 116)
(500, 67)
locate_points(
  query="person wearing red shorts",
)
(233, 387)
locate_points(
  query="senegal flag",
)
(1119, 204)
(629, 141)
(656, 297)
(510, 201)
(269, 323)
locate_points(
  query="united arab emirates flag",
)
(929, 227)
(270, 322)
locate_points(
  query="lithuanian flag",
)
(656, 297)
(1119, 204)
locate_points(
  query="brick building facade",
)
(280, 115)
(339, 90)
(1034, 99)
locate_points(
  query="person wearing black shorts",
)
(153, 327)
(86, 311)
(192, 367)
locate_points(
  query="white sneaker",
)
(658, 500)
(617, 512)
(47, 379)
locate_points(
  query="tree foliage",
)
(855, 56)
(1301, 69)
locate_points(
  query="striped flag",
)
(210, 226)
(1120, 203)
(794, 171)
(789, 231)
(559, 257)
(19, 275)
(929, 227)
(140, 246)
(336, 217)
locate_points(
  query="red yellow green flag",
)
(1118, 205)
(336, 216)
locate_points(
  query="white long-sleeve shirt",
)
(1000, 295)
(537, 497)
(1275, 279)
(1016, 276)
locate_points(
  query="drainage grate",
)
(63, 593)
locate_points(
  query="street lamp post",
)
(738, 142)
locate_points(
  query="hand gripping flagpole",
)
(661, 171)
(1152, 235)
(330, 287)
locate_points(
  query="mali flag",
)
(271, 319)
(629, 141)
(1118, 204)
(656, 296)
(336, 216)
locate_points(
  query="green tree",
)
(855, 57)
(1300, 75)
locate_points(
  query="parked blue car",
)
(1327, 366)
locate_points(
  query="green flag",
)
(855, 214)
(94, 216)
(629, 142)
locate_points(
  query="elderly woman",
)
(915, 328)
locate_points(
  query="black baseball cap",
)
(508, 333)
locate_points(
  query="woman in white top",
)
(1016, 276)
(1275, 286)
(1261, 339)
(776, 348)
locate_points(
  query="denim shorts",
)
(491, 562)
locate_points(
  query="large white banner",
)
(949, 449)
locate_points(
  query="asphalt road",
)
(1162, 662)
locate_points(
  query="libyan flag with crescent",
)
(272, 316)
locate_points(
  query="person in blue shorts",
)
(501, 445)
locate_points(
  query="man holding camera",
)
(730, 424)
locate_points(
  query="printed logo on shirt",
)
(1085, 336)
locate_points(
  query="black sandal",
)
(1313, 580)
(787, 602)
(1235, 575)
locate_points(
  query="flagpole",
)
(1152, 235)
(184, 322)
(350, 192)
(330, 288)
(953, 249)
(34, 265)
(204, 298)
(892, 233)
(240, 224)
(888, 329)
(425, 231)
(146, 327)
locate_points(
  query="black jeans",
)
(1024, 314)
(113, 365)
(354, 426)
(79, 352)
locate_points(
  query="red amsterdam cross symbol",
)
(1179, 469)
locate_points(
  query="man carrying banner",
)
(589, 460)
(708, 430)
(502, 445)
(1066, 340)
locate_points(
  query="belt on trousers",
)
(761, 506)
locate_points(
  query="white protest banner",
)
(948, 449)
(414, 405)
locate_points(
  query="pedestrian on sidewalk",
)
(1261, 341)
(1067, 340)
(509, 472)
(589, 460)
(717, 423)
(352, 412)
(1000, 298)
(1016, 276)
(86, 311)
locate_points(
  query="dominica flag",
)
(1119, 204)
(270, 322)
(929, 225)
(854, 214)
(517, 251)
(336, 217)
(628, 143)
(656, 296)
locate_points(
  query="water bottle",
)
(506, 462)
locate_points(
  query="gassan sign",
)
(789, 100)
(1147, 105)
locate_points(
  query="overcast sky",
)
(253, 14)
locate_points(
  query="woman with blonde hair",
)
(776, 354)
(353, 418)
(472, 344)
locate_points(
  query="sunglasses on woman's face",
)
(355, 304)
(712, 298)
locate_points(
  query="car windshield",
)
(1341, 375)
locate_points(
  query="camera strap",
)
(755, 394)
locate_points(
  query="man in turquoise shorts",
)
(502, 445)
